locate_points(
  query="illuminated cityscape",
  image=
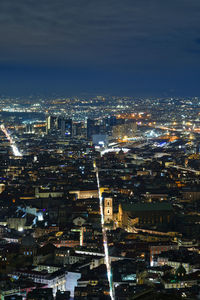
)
(106, 206)
(99, 150)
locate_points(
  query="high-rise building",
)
(51, 123)
(65, 127)
(92, 128)
(59, 125)
(29, 128)
(78, 129)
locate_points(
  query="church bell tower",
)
(108, 210)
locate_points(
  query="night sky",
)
(119, 47)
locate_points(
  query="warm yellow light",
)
(125, 139)
(59, 233)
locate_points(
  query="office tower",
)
(51, 123)
(29, 128)
(91, 128)
(78, 129)
(65, 127)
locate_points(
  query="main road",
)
(15, 150)
(105, 239)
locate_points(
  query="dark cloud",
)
(110, 30)
(133, 35)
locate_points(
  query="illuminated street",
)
(15, 150)
(105, 243)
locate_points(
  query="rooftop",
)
(147, 207)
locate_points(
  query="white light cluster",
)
(15, 150)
